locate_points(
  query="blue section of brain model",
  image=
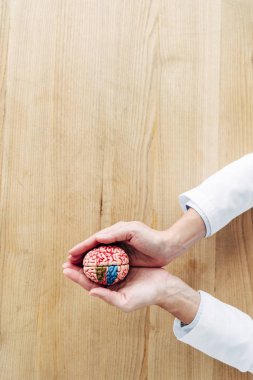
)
(111, 274)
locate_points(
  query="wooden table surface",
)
(108, 111)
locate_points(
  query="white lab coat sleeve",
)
(220, 331)
(222, 196)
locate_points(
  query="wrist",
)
(184, 233)
(179, 299)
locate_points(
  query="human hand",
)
(142, 287)
(146, 247)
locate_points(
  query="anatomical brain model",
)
(106, 264)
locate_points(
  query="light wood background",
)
(108, 111)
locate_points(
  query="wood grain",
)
(108, 111)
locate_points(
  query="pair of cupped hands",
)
(147, 283)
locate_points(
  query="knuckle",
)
(126, 309)
(137, 223)
(130, 235)
(121, 222)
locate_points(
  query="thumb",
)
(111, 297)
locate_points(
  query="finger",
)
(91, 242)
(111, 297)
(112, 227)
(125, 233)
(76, 260)
(72, 266)
(79, 278)
(80, 248)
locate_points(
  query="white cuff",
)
(202, 215)
(197, 200)
(180, 331)
(223, 196)
(222, 332)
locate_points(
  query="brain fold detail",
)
(106, 265)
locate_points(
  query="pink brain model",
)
(106, 265)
